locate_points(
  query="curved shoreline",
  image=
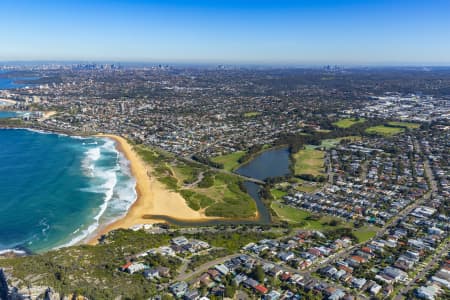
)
(9, 101)
(152, 197)
(154, 202)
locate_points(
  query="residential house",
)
(179, 289)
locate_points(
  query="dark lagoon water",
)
(56, 189)
(271, 163)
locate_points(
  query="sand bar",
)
(153, 198)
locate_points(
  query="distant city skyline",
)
(286, 32)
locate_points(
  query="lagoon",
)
(268, 164)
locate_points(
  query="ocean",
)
(9, 83)
(55, 190)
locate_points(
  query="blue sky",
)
(247, 31)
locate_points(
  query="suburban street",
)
(434, 261)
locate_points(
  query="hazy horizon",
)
(243, 64)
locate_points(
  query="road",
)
(305, 274)
(330, 169)
(364, 169)
(436, 259)
(203, 268)
(433, 185)
(386, 227)
(184, 276)
(241, 176)
(346, 252)
(428, 171)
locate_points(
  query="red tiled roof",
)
(358, 258)
(366, 249)
(127, 265)
(262, 289)
(346, 269)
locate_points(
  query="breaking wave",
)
(115, 183)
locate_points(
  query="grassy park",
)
(277, 194)
(330, 143)
(304, 218)
(252, 114)
(348, 122)
(308, 220)
(384, 130)
(392, 128)
(230, 161)
(309, 161)
(365, 233)
(405, 124)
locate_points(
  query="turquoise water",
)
(55, 190)
(9, 114)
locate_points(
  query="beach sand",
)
(8, 101)
(153, 198)
(47, 115)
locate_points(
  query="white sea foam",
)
(93, 143)
(88, 163)
(51, 132)
(117, 185)
(94, 154)
(17, 252)
(77, 137)
(107, 189)
(45, 226)
(37, 131)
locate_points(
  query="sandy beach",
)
(8, 101)
(153, 198)
(47, 115)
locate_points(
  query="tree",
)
(258, 273)
(203, 291)
(230, 290)
(334, 223)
